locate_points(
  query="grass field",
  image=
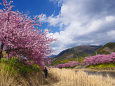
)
(68, 77)
(14, 73)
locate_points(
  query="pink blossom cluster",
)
(20, 36)
(69, 64)
(48, 61)
(81, 64)
(98, 59)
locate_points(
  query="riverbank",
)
(92, 69)
(104, 73)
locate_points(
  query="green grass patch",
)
(103, 66)
(13, 66)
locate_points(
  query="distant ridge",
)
(83, 51)
(75, 52)
(106, 49)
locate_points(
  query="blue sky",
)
(37, 7)
(73, 22)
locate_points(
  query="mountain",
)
(74, 53)
(52, 56)
(106, 49)
(79, 51)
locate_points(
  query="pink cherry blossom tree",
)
(20, 36)
(100, 59)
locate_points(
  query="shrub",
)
(13, 65)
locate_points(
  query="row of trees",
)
(100, 59)
(20, 35)
(91, 60)
(67, 65)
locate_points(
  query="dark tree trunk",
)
(0, 54)
(7, 53)
(2, 46)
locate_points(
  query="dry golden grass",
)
(33, 79)
(68, 77)
(5, 78)
(15, 79)
(30, 79)
(57, 77)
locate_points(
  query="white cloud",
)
(110, 18)
(59, 2)
(85, 22)
(53, 21)
(43, 17)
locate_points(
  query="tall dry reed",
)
(15, 79)
(68, 77)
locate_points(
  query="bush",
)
(13, 65)
(103, 66)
